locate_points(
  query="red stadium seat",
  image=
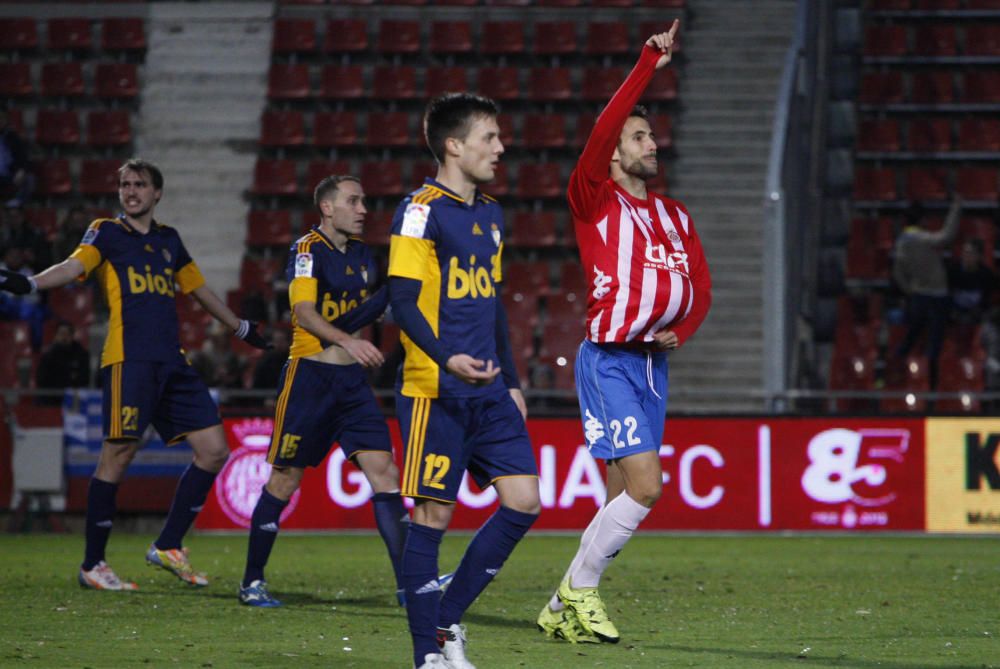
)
(420, 171)
(520, 310)
(451, 37)
(282, 128)
(15, 80)
(600, 83)
(854, 370)
(545, 131)
(932, 87)
(663, 87)
(99, 177)
(936, 4)
(502, 37)
(294, 36)
(885, 40)
(982, 39)
(15, 118)
(18, 34)
(399, 36)
(982, 86)
(342, 82)
(881, 88)
(378, 227)
(109, 128)
(935, 40)
(979, 134)
(395, 82)
(878, 135)
(539, 180)
(960, 375)
(53, 177)
(382, 178)
(507, 135)
(865, 260)
(927, 183)
(584, 125)
(257, 274)
(320, 169)
(388, 129)
(116, 80)
(977, 183)
(889, 5)
(499, 83)
(662, 126)
(441, 80)
(532, 229)
(550, 83)
(555, 38)
(929, 134)
(982, 4)
(335, 129)
(288, 81)
(125, 34)
(527, 278)
(872, 183)
(567, 308)
(55, 127)
(16, 351)
(43, 219)
(62, 79)
(910, 376)
(69, 34)
(500, 185)
(269, 227)
(275, 177)
(608, 38)
(346, 36)
(73, 303)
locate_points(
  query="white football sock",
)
(588, 534)
(612, 528)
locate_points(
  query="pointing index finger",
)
(673, 28)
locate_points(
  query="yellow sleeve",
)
(303, 289)
(189, 278)
(410, 258)
(89, 256)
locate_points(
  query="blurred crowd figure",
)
(16, 180)
(64, 364)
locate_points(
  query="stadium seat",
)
(15, 118)
(889, 5)
(451, 37)
(539, 180)
(395, 82)
(109, 127)
(874, 183)
(378, 227)
(346, 36)
(388, 129)
(878, 135)
(977, 183)
(526, 277)
(441, 80)
(911, 375)
(982, 4)
(566, 308)
(600, 83)
(532, 229)
(927, 183)
(99, 177)
(335, 129)
(935, 40)
(520, 310)
(662, 126)
(502, 38)
(929, 134)
(960, 375)
(57, 128)
(559, 343)
(885, 40)
(549, 83)
(853, 371)
(123, 34)
(62, 79)
(932, 87)
(257, 274)
(294, 36)
(288, 81)
(507, 135)
(499, 83)
(663, 87)
(982, 39)
(318, 170)
(555, 38)
(936, 4)
(18, 34)
(979, 134)
(500, 185)
(608, 38)
(382, 178)
(43, 219)
(274, 177)
(982, 86)
(282, 128)
(73, 303)
(53, 177)
(865, 260)
(419, 171)
(584, 125)
(69, 34)
(116, 80)
(17, 348)
(15, 80)
(269, 227)
(545, 131)
(398, 37)
(571, 276)
(881, 88)
(342, 82)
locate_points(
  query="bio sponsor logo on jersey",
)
(332, 308)
(240, 482)
(147, 282)
(473, 280)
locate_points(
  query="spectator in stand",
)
(18, 232)
(22, 307)
(970, 281)
(267, 373)
(216, 363)
(65, 364)
(920, 273)
(70, 232)
(16, 182)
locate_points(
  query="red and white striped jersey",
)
(644, 264)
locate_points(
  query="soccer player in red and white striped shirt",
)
(648, 291)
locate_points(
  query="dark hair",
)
(451, 115)
(639, 111)
(327, 187)
(139, 165)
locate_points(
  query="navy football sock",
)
(100, 515)
(423, 595)
(192, 490)
(392, 521)
(488, 550)
(263, 532)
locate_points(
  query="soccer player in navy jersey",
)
(324, 395)
(650, 289)
(458, 397)
(139, 264)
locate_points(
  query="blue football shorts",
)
(623, 399)
(447, 436)
(320, 404)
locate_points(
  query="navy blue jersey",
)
(454, 249)
(138, 274)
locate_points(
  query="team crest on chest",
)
(495, 231)
(166, 255)
(673, 237)
(350, 272)
(147, 248)
(364, 273)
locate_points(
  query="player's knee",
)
(284, 481)
(213, 460)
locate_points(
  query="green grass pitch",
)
(679, 601)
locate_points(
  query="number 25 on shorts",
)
(435, 467)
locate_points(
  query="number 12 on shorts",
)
(435, 468)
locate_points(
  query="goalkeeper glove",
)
(247, 331)
(17, 283)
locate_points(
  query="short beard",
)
(637, 168)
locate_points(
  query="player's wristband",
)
(243, 329)
(34, 285)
